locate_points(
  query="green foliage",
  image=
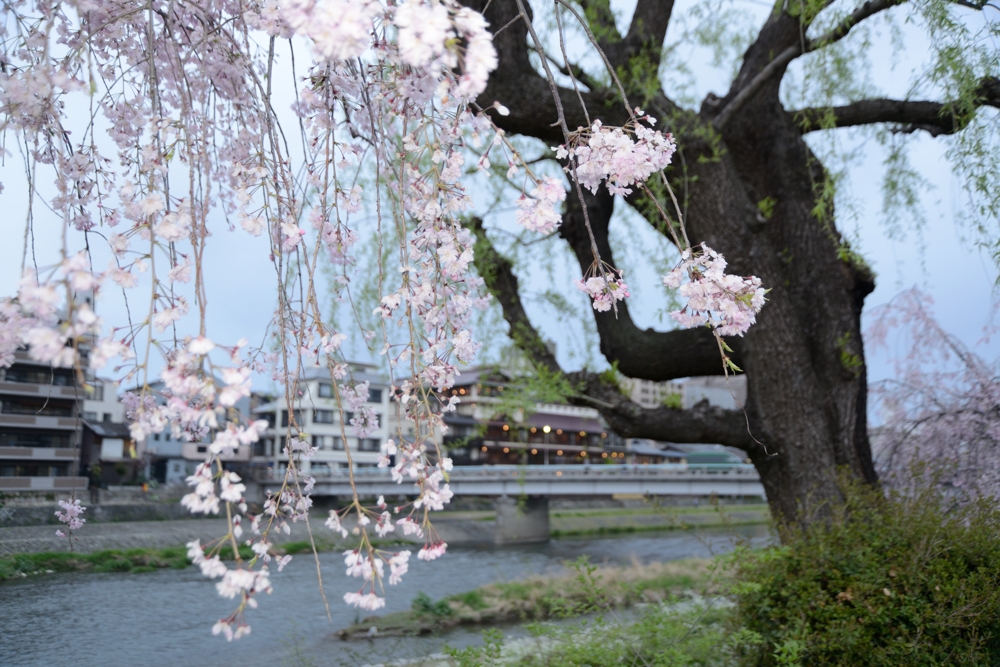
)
(424, 605)
(674, 634)
(902, 580)
(766, 207)
(673, 400)
(471, 599)
(111, 560)
(849, 361)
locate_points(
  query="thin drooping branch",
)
(935, 118)
(801, 47)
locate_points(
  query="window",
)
(368, 445)
(202, 449)
(156, 436)
(327, 442)
(325, 390)
(90, 416)
(284, 417)
(374, 395)
(323, 416)
(106, 418)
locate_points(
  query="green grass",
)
(112, 560)
(539, 598)
(137, 560)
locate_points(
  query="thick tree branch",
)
(777, 66)
(645, 35)
(936, 118)
(640, 353)
(498, 274)
(701, 423)
(601, 21)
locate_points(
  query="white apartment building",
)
(103, 405)
(319, 418)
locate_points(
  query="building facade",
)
(321, 423)
(40, 427)
(485, 430)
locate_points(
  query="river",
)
(164, 618)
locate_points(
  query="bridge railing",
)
(618, 471)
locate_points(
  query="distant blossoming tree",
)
(941, 414)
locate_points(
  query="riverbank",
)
(176, 608)
(454, 527)
(587, 590)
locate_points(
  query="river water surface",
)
(164, 618)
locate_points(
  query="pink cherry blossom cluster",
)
(71, 514)
(728, 304)
(441, 40)
(605, 289)
(622, 156)
(537, 212)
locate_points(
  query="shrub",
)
(423, 604)
(898, 580)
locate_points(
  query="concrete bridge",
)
(522, 522)
(571, 480)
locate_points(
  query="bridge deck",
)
(573, 480)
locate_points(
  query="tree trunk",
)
(755, 195)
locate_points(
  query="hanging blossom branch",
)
(184, 141)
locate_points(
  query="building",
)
(108, 454)
(40, 427)
(484, 429)
(320, 420)
(170, 458)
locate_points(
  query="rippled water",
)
(163, 619)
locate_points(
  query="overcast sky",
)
(950, 269)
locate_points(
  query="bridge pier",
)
(526, 522)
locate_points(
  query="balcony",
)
(42, 390)
(43, 483)
(38, 453)
(39, 421)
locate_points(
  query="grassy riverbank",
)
(538, 598)
(135, 561)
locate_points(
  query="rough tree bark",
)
(804, 359)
